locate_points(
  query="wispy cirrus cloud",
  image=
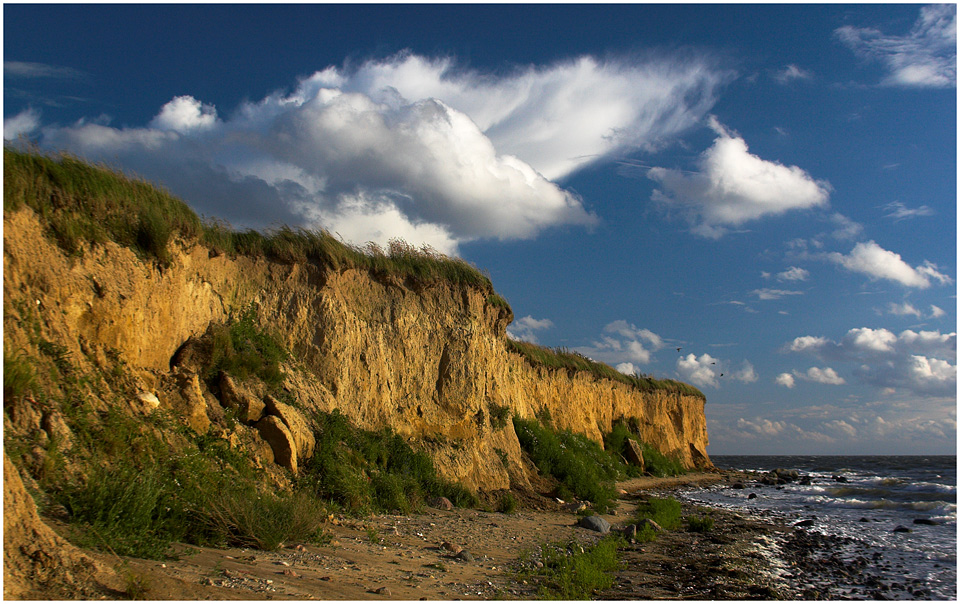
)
(409, 146)
(791, 73)
(27, 70)
(897, 211)
(925, 57)
(733, 187)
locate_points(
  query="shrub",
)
(573, 459)
(700, 524)
(663, 511)
(499, 415)
(242, 349)
(365, 470)
(655, 462)
(572, 572)
(242, 518)
(507, 503)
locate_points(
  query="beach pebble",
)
(451, 547)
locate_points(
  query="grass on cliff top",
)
(559, 358)
(83, 203)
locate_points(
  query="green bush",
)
(700, 524)
(577, 462)
(365, 470)
(572, 572)
(654, 462)
(499, 416)
(242, 349)
(663, 511)
(507, 503)
(243, 518)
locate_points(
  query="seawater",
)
(880, 494)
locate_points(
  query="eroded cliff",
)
(430, 361)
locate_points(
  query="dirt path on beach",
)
(447, 555)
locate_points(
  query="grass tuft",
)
(581, 466)
(83, 204)
(572, 572)
(365, 470)
(562, 359)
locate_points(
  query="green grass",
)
(572, 572)
(81, 204)
(663, 511)
(86, 204)
(700, 524)
(18, 375)
(364, 471)
(507, 503)
(242, 349)
(581, 466)
(562, 359)
(654, 462)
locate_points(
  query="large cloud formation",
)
(918, 362)
(733, 187)
(408, 146)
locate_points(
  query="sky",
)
(759, 200)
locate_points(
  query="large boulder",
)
(634, 453)
(247, 406)
(297, 425)
(191, 404)
(278, 436)
(595, 523)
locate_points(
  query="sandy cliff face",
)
(429, 361)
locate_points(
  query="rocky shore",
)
(469, 554)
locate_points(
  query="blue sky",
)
(770, 189)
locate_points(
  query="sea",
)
(872, 498)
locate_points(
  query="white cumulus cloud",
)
(925, 57)
(872, 260)
(623, 342)
(185, 114)
(919, 362)
(23, 123)
(445, 154)
(525, 329)
(793, 273)
(825, 375)
(733, 187)
(786, 380)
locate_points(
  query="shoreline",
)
(476, 555)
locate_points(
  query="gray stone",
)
(595, 523)
(652, 524)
